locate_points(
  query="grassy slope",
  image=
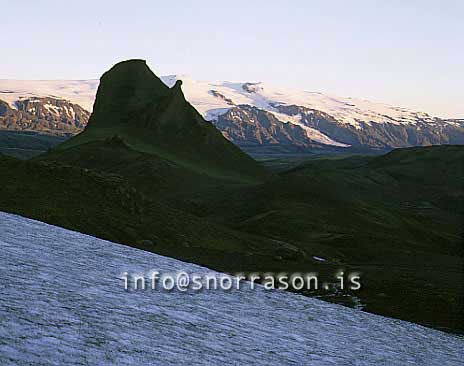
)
(107, 206)
(395, 218)
(25, 144)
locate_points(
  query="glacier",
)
(63, 303)
(215, 98)
(199, 94)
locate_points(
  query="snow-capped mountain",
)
(211, 98)
(63, 303)
(43, 114)
(53, 107)
(255, 114)
(80, 92)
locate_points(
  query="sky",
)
(407, 53)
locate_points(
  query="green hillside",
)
(397, 219)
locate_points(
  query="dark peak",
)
(176, 90)
(134, 107)
(131, 62)
(127, 87)
(130, 69)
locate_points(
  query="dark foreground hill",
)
(372, 215)
(105, 205)
(134, 105)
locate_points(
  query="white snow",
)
(345, 110)
(52, 108)
(81, 92)
(312, 133)
(211, 106)
(63, 303)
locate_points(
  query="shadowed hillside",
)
(133, 104)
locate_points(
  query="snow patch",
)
(81, 92)
(349, 111)
(312, 133)
(64, 301)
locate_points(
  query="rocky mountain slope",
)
(43, 114)
(310, 119)
(254, 114)
(80, 92)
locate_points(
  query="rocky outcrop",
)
(48, 115)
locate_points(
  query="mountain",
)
(31, 125)
(237, 108)
(43, 114)
(36, 115)
(80, 92)
(134, 105)
(254, 115)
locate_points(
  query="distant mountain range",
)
(251, 115)
(45, 114)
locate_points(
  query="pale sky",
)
(407, 53)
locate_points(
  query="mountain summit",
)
(133, 104)
(124, 89)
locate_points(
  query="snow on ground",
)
(80, 92)
(212, 99)
(312, 133)
(63, 303)
(345, 110)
